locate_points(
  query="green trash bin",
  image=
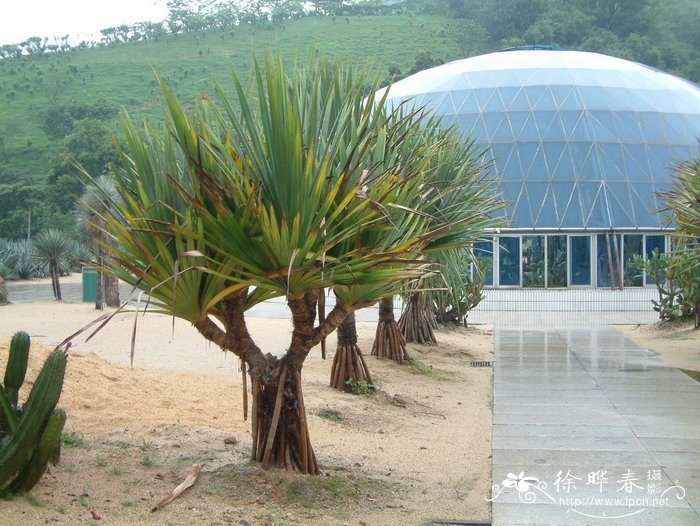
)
(89, 284)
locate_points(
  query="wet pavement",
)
(590, 428)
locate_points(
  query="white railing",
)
(567, 300)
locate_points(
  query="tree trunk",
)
(389, 342)
(279, 427)
(56, 284)
(417, 323)
(99, 288)
(348, 364)
(111, 290)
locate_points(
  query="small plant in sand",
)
(360, 387)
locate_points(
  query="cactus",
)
(35, 430)
(16, 366)
(45, 452)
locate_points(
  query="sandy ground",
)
(677, 342)
(144, 427)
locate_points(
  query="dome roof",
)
(580, 140)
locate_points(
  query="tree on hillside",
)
(256, 204)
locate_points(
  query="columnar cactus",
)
(31, 434)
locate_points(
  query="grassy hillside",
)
(122, 76)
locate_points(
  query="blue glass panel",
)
(512, 170)
(501, 152)
(548, 216)
(654, 242)
(633, 170)
(536, 193)
(504, 77)
(508, 95)
(659, 161)
(582, 131)
(464, 101)
(572, 102)
(511, 191)
(484, 249)
(580, 260)
(556, 261)
(675, 129)
(571, 216)
(608, 259)
(537, 170)
(520, 102)
(593, 98)
(612, 161)
(602, 126)
(552, 153)
(521, 212)
(492, 122)
(533, 261)
(632, 246)
(564, 171)
(442, 103)
(563, 192)
(526, 151)
(652, 126)
(590, 168)
(570, 119)
(479, 132)
(598, 215)
(639, 154)
(495, 103)
(529, 131)
(620, 202)
(560, 93)
(627, 126)
(555, 131)
(503, 133)
(588, 194)
(467, 121)
(509, 265)
(482, 97)
(517, 121)
(546, 101)
(534, 93)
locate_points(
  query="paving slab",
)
(591, 403)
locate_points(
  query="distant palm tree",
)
(53, 249)
(98, 196)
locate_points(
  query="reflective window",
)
(580, 260)
(633, 247)
(509, 264)
(609, 248)
(533, 261)
(484, 250)
(652, 242)
(556, 261)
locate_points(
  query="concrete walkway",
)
(600, 424)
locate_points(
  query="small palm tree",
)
(95, 201)
(683, 205)
(53, 250)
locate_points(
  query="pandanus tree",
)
(90, 213)
(465, 197)
(53, 249)
(682, 203)
(238, 202)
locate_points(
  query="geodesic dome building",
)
(581, 143)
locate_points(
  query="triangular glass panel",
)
(599, 216)
(627, 126)
(640, 170)
(582, 131)
(520, 102)
(534, 93)
(543, 119)
(547, 216)
(570, 119)
(512, 170)
(537, 171)
(585, 160)
(588, 195)
(674, 129)
(572, 102)
(552, 153)
(620, 201)
(522, 218)
(495, 103)
(529, 131)
(442, 103)
(564, 171)
(482, 97)
(563, 193)
(501, 152)
(560, 93)
(593, 98)
(555, 132)
(504, 132)
(508, 94)
(652, 127)
(572, 217)
(467, 122)
(660, 163)
(546, 101)
(464, 101)
(517, 121)
(524, 76)
(612, 161)
(602, 126)
(644, 205)
(511, 194)
(504, 77)
(536, 192)
(492, 120)
(526, 151)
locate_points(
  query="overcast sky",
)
(82, 19)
